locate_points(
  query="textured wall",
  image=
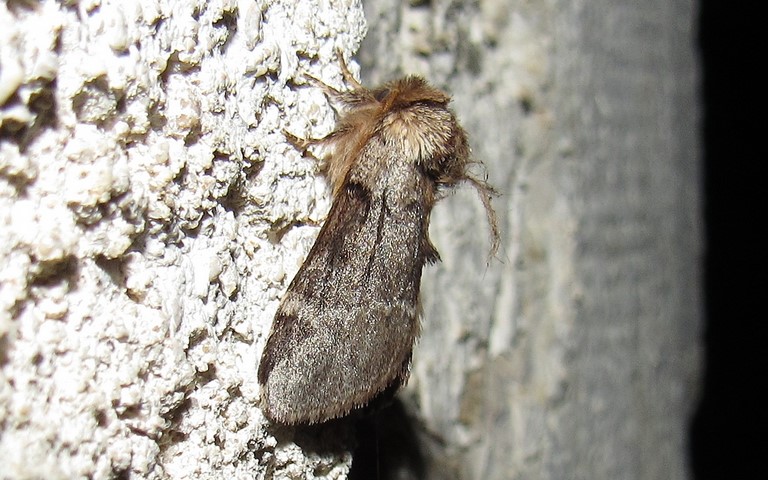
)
(151, 216)
(577, 355)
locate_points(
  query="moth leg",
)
(346, 74)
(303, 144)
(327, 89)
(356, 96)
(344, 99)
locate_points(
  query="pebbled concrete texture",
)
(575, 354)
(152, 213)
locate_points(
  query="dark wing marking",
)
(345, 329)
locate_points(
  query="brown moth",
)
(345, 330)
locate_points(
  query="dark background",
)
(728, 430)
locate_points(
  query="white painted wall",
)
(151, 215)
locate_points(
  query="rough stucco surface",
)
(577, 355)
(152, 214)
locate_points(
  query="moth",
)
(345, 329)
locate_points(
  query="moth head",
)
(417, 116)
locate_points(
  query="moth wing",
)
(345, 329)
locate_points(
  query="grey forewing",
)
(354, 299)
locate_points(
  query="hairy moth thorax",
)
(408, 116)
(345, 329)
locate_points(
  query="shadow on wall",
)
(387, 447)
